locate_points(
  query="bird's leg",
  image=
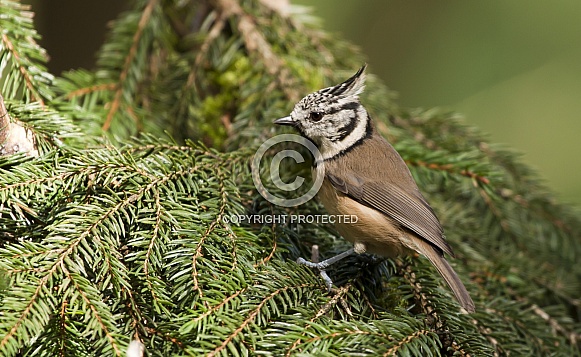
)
(325, 264)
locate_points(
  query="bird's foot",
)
(321, 267)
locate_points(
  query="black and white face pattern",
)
(333, 118)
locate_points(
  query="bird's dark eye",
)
(316, 116)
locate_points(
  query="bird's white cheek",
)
(311, 133)
(325, 146)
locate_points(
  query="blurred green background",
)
(512, 68)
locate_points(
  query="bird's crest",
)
(351, 87)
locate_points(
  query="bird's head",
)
(332, 118)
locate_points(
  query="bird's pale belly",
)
(373, 232)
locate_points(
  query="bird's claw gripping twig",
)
(322, 266)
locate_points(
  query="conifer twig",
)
(255, 42)
(114, 105)
(393, 351)
(28, 77)
(250, 318)
(449, 168)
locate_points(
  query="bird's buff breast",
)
(371, 232)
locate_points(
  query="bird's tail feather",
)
(450, 276)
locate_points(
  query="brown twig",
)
(337, 297)
(573, 337)
(218, 220)
(126, 66)
(91, 89)
(449, 168)
(251, 318)
(434, 320)
(256, 43)
(25, 74)
(93, 309)
(273, 250)
(393, 351)
(165, 336)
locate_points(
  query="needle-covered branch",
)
(122, 228)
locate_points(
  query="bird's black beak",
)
(285, 121)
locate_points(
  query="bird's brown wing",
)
(409, 210)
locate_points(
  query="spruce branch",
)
(117, 232)
(322, 311)
(253, 315)
(405, 341)
(95, 88)
(451, 169)
(130, 57)
(256, 43)
(21, 58)
(9, 46)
